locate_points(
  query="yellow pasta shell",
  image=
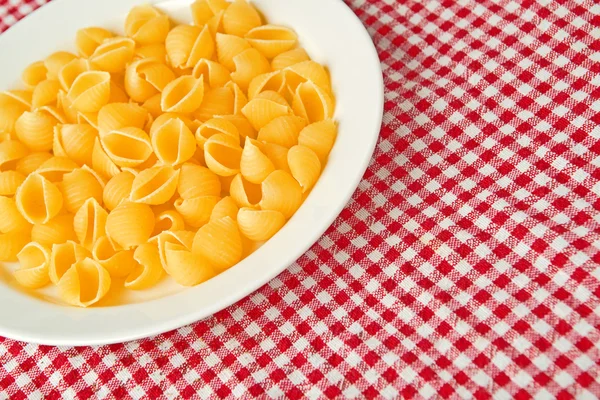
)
(283, 131)
(173, 142)
(154, 185)
(185, 268)
(204, 10)
(89, 223)
(20, 97)
(33, 74)
(196, 210)
(226, 207)
(245, 193)
(218, 101)
(127, 147)
(38, 199)
(156, 51)
(240, 17)
(262, 111)
(248, 65)
(229, 46)
(165, 117)
(146, 25)
(36, 130)
(271, 40)
(45, 93)
(90, 91)
(215, 75)
(31, 162)
(148, 271)
(71, 71)
(10, 182)
(66, 106)
(244, 127)
(219, 241)
(195, 181)
(289, 58)
(222, 154)
(254, 165)
(56, 61)
(35, 263)
(169, 220)
(75, 141)
(102, 163)
(146, 77)
(113, 54)
(9, 114)
(84, 284)
(319, 137)
(274, 81)
(239, 98)
(281, 192)
(63, 256)
(117, 189)
(118, 263)
(216, 126)
(130, 224)
(304, 165)
(259, 225)
(307, 71)
(312, 103)
(182, 238)
(10, 218)
(187, 44)
(88, 39)
(55, 168)
(80, 185)
(121, 115)
(11, 151)
(58, 230)
(11, 244)
(183, 94)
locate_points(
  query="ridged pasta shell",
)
(268, 81)
(283, 131)
(127, 147)
(90, 91)
(195, 181)
(84, 284)
(173, 142)
(312, 103)
(281, 192)
(259, 225)
(218, 101)
(240, 17)
(58, 230)
(79, 186)
(222, 154)
(130, 224)
(152, 105)
(204, 10)
(245, 193)
(10, 218)
(248, 65)
(22, 97)
(38, 199)
(89, 223)
(244, 127)
(164, 118)
(113, 54)
(182, 238)
(11, 244)
(117, 189)
(289, 58)
(146, 78)
(31, 162)
(64, 104)
(319, 137)
(36, 130)
(56, 61)
(148, 271)
(63, 256)
(239, 98)
(187, 44)
(155, 185)
(11, 151)
(307, 71)
(196, 211)
(169, 220)
(55, 168)
(183, 95)
(45, 93)
(75, 141)
(146, 25)
(88, 39)
(226, 207)
(70, 72)
(219, 241)
(121, 115)
(9, 114)
(216, 126)
(304, 165)
(262, 111)
(33, 74)
(271, 40)
(215, 75)
(277, 154)
(156, 51)
(34, 262)
(118, 263)
(10, 182)
(255, 166)
(229, 46)
(102, 163)
(185, 268)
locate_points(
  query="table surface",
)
(466, 263)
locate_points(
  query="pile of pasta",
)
(174, 149)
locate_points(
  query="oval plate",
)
(332, 35)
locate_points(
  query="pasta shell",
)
(155, 185)
(219, 241)
(283, 131)
(11, 244)
(33, 74)
(63, 256)
(164, 118)
(184, 95)
(215, 75)
(196, 211)
(289, 58)
(152, 105)
(121, 115)
(75, 142)
(254, 165)
(146, 25)
(195, 181)
(240, 17)
(118, 189)
(259, 225)
(118, 263)
(245, 193)
(148, 271)
(307, 71)
(273, 96)
(218, 101)
(89, 223)
(21, 97)
(268, 81)
(36, 130)
(312, 103)
(187, 44)
(130, 224)
(38, 199)
(66, 106)
(11, 151)
(213, 127)
(239, 98)
(281, 192)
(305, 166)
(84, 284)
(157, 51)
(169, 220)
(80, 185)
(204, 10)
(226, 207)
(277, 154)
(173, 142)
(10, 218)
(71, 71)
(113, 54)
(45, 93)
(181, 238)
(244, 127)
(35, 263)
(10, 111)
(58, 230)
(10, 182)
(55, 168)
(319, 137)
(88, 39)
(127, 147)
(222, 154)
(90, 91)
(185, 268)
(56, 61)
(31, 162)
(102, 163)
(248, 65)
(262, 111)
(146, 77)
(229, 46)
(271, 40)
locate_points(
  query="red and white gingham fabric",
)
(467, 263)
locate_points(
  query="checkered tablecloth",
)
(467, 264)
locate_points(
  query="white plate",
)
(332, 35)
